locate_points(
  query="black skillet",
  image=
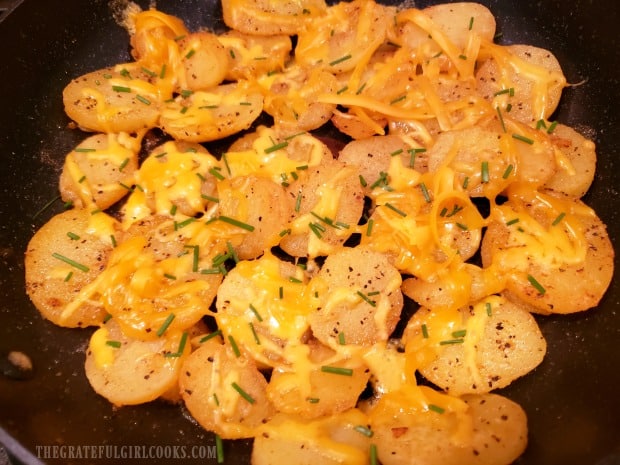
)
(572, 399)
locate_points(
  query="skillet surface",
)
(571, 400)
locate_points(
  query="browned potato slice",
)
(260, 203)
(100, 170)
(527, 78)
(110, 100)
(496, 342)
(271, 17)
(151, 33)
(210, 115)
(63, 258)
(328, 203)
(577, 162)
(127, 371)
(291, 98)
(347, 34)
(373, 155)
(253, 56)
(332, 440)
(205, 60)
(555, 253)
(439, 430)
(224, 393)
(294, 390)
(359, 298)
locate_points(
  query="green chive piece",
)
(541, 290)
(181, 347)
(465, 182)
(369, 226)
(84, 150)
(471, 23)
(46, 206)
(162, 73)
(219, 449)
(210, 198)
(344, 89)
(210, 336)
(363, 182)
(242, 393)
(115, 344)
(340, 60)
(540, 124)
(525, 139)
(451, 341)
(216, 400)
(143, 100)
(484, 172)
(73, 236)
(317, 229)
(424, 331)
(366, 299)
(460, 333)
(234, 222)
(462, 226)
(149, 72)
(256, 339)
(181, 224)
(559, 218)
(489, 309)
(337, 370)
(298, 202)
(68, 261)
(374, 460)
(365, 430)
(107, 317)
(190, 54)
(234, 346)
(501, 118)
(275, 147)
(398, 99)
(160, 332)
(397, 210)
(313, 400)
(552, 127)
(215, 172)
(436, 408)
(170, 276)
(255, 312)
(121, 89)
(425, 193)
(281, 292)
(513, 221)
(341, 339)
(69, 276)
(507, 172)
(396, 152)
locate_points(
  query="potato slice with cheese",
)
(481, 347)
(113, 100)
(224, 392)
(129, 372)
(554, 253)
(203, 116)
(63, 259)
(100, 170)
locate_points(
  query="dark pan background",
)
(572, 399)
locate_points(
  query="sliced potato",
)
(496, 342)
(99, 171)
(223, 392)
(127, 371)
(210, 115)
(62, 259)
(110, 100)
(205, 60)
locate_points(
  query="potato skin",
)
(46, 276)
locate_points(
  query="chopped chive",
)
(181, 224)
(46, 206)
(341, 339)
(181, 348)
(219, 449)
(382, 180)
(170, 276)
(374, 460)
(513, 221)
(255, 312)
(121, 89)
(148, 71)
(465, 182)
(507, 172)
(455, 210)
(540, 124)
(82, 179)
(501, 118)
(107, 76)
(443, 212)
(73, 236)
(369, 226)
(301, 167)
(256, 339)
(210, 198)
(69, 275)
(471, 23)
(195, 256)
(363, 182)
(242, 393)
(489, 309)
(462, 226)
(173, 210)
(425, 193)
(115, 344)
(294, 280)
(142, 99)
(337, 370)
(559, 218)
(281, 292)
(398, 99)
(275, 147)
(463, 57)
(460, 333)
(208, 107)
(503, 91)
(107, 317)
(298, 202)
(231, 252)
(215, 172)
(190, 54)
(160, 155)
(210, 336)
(525, 139)
(484, 172)
(365, 430)
(344, 89)
(232, 54)
(317, 229)
(185, 93)
(397, 210)
(234, 346)
(73, 263)
(125, 73)
(183, 110)
(451, 341)
(424, 331)
(123, 164)
(552, 127)
(367, 299)
(361, 88)
(162, 329)
(396, 152)
(234, 222)
(216, 400)
(98, 210)
(125, 186)
(340, 60)
(436, 408)
(313, 400)
(214, 270)
(84, 150)
(245, 104)
(162, 73)
(285, 232)
(541, 290)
